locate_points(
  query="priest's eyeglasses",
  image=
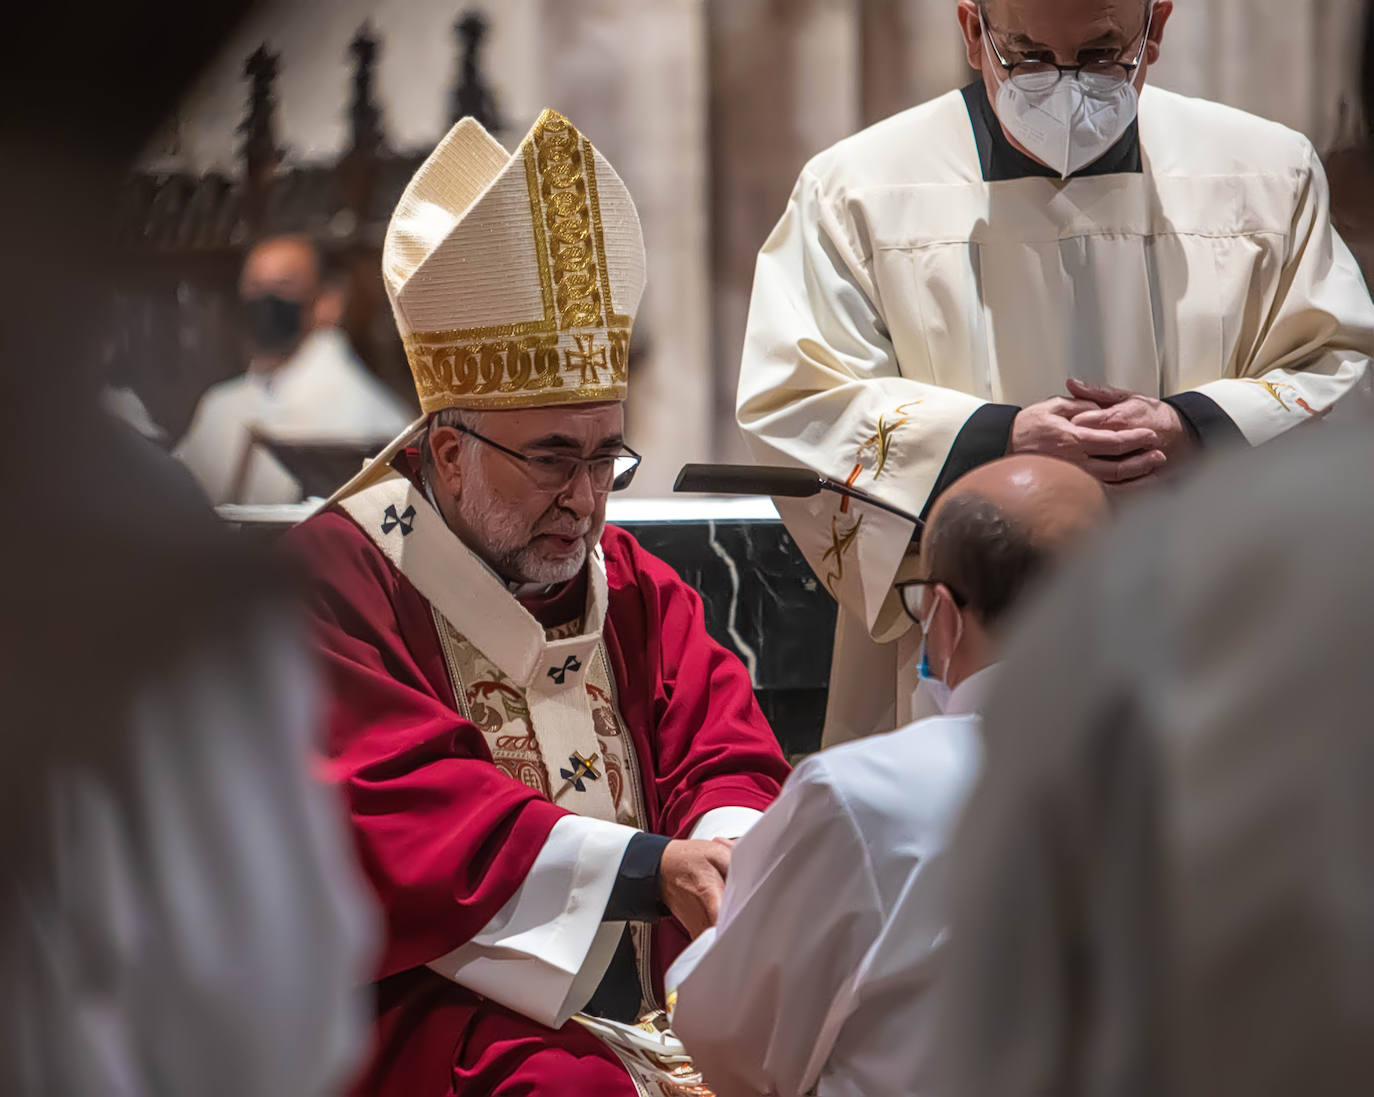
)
(553, 472)
(915, 593)
(1105, 74)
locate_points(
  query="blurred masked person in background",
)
(179, 908)
(818, 979)
(1163, 884)
(1058, 259)
(304, 382)
(535, 732)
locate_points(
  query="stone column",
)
(784, 84)
(1294, 62)
(912, 51)
(632, 76)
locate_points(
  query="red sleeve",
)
(444, 836)
(712, 746)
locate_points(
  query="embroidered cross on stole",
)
(501, 710)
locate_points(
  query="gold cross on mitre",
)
(588, 356)
(581, 767)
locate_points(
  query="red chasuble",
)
(446, 836)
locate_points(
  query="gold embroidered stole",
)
(500, 709)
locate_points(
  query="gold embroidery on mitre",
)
(519, 370)
(579, 351)
(541, 244)
(561, 163)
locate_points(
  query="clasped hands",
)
(1123, 438)
(691, 879)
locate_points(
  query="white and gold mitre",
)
(514, 278)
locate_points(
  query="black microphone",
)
(776, 480)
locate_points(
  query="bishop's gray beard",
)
(506, 538)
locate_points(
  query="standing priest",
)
(1056, 259)
(536, 736)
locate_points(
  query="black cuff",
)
(1206, 422)
(635, 896)
(984, 437)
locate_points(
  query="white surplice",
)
(546, 950)
(189, 917)
(831, 928)
(323, 393)
(901, 292)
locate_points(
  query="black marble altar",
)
(763, 603)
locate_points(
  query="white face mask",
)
(1072, 124)
(934, 686)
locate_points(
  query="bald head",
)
(996, 528)
(1051, 500)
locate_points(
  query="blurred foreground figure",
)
(179, 910)
(1164, 884)
(829, 936)
(535, 732)
(1057, 259)
(304, 382)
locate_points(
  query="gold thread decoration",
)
(587, 358)
(541, 245)
(1270, 387)
(840, 545)
(880, 444)
(520, 371)
(568, 220)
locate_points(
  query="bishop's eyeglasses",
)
(1104, 74)
(552, 472)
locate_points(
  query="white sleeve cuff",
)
(725, 823)
(547, 947)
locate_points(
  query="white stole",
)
(550, 673)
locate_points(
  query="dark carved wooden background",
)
(173, 329)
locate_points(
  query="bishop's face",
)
(512, 512)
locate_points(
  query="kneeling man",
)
(534, 732)
(833, 915)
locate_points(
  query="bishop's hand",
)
(691, 878)
(1113, 455)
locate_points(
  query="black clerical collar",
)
(1001, 160)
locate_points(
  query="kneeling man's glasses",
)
(915, 593)
(554, 472)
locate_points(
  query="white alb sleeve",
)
(725, 823)
(801, 883)
(544, 953)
